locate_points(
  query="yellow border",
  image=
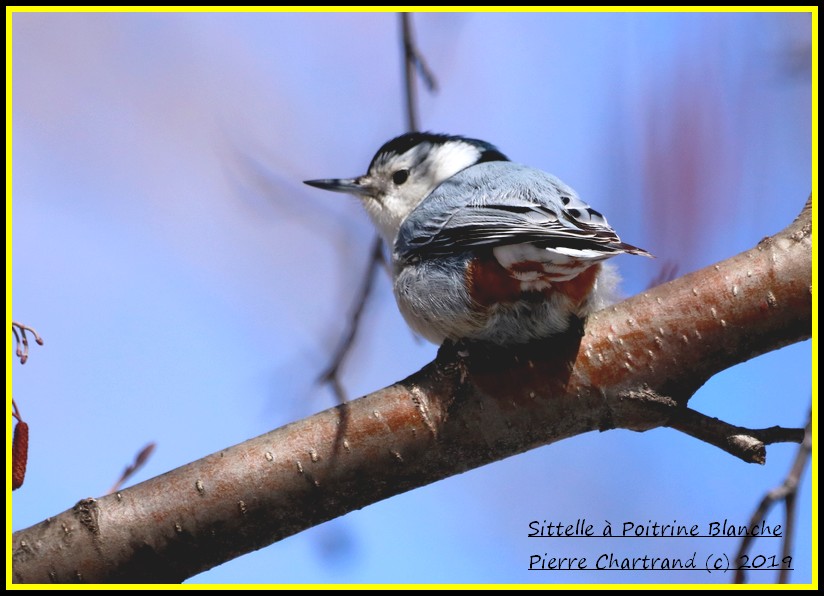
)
(10, 341)
(813, 10)
(602, 9)
(814, 289)
(409, 586)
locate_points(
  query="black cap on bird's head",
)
(405, 142)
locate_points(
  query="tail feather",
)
(633, 250)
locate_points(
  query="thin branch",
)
(667, 271)
(139, 461)
(745, 443)
(635, 367)
(409, 70)
(786, 492)
(413, 64)
(332, 374)
(15, 412)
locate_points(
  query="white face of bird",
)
(399, 182)
(403, 172)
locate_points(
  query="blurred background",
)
(190, 289)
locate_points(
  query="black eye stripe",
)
(400, 176)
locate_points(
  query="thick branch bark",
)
(635, 367)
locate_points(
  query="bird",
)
(484, 249)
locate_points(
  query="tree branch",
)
(332, 373)
(744, 443)
(787, 493)
(413, 63)
(635, 367)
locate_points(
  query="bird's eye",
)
(400, 177)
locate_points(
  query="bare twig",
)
(786, 492)
(22, 341)
(332, 374)
(667, 272)
(139, 461)
(745, 443)
(413, 63)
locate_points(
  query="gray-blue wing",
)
(500, 203)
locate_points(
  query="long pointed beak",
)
(350, 185)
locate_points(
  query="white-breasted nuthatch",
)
(483, 249)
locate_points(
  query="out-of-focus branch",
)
(667, 271)
(332, 374)
(787, 493)
(139, 461)
(414, 65)
(635, 367)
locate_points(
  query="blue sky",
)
(189, 287)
